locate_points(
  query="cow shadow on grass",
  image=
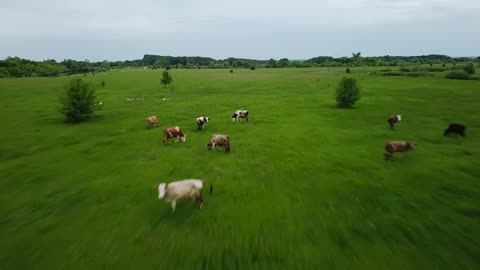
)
(162, 214)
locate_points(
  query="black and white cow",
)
(455, 129)
(239, 114)
(202, 120)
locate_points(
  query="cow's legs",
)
(174, 203)
(388, 156)
(199, 201)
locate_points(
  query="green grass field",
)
(305, 185)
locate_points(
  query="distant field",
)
(305, 185)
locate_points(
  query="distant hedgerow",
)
(78, 103)
(457, 75)
(347, 92)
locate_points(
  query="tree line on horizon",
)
(18, 67)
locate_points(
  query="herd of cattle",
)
(192, 188)
(404, 146)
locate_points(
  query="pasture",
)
(304, 187)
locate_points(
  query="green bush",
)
(348, 70)
(252, 67)
(457, 75)
(166, 78)
(78, 103)
(347, 92)
(469, 68)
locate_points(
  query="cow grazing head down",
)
(240, 114)
(399, 117)
(457, 129)
(175, 133)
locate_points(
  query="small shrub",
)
(167, 67)
(443, 65)
(231, 70)
(252, 67)
(457, 75)
(348, 70)
(469, 68)
(166, 78)
(102, 84)
(78, 102)
(347, 92)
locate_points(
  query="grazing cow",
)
(173, 132)
(152, 121)
(239, 114)
(455, 129)
(180, 190)
(398, 146)
(219, 140)
(393, 119)
(201, 121)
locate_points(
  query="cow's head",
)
(412, 145)
(399, 117)
(161, 190)
(209, 146)
(183, 138)
(234, 117)
(206, 119)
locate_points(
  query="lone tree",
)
(348, 70)
(78, 103)
(469, 68)
(166, 78)
(347, 92)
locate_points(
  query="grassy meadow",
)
(304, 187)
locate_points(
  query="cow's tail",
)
(211, 189)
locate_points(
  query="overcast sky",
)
(261, 29)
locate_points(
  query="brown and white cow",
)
(152, 121)
(219, 140)
(398, 146)
(240, 114)
(173, 132)
(202, 120)
(181, 190)
(393, 119)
